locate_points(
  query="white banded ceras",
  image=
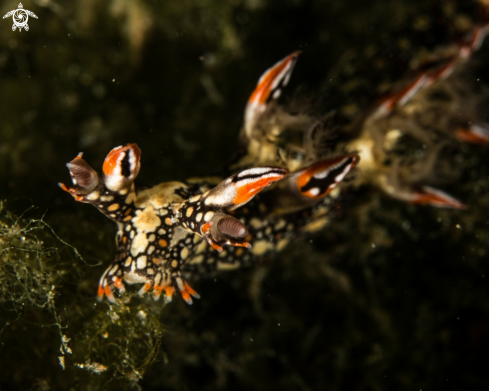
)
(179, 230)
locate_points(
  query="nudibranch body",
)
(179, 229)
(285, 181)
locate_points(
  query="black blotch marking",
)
(126, 166)
(282, 83)
(324, 183)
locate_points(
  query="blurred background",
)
(390, 296)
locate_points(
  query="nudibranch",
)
(289, 173)
(175, 230)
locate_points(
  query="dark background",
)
(389, 296)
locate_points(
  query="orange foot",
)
(107, 284)
(185, 290)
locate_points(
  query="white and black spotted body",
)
(177, 231)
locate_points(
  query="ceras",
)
(284, 182)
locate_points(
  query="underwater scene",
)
(292, 195)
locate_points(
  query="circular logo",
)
(20, 17)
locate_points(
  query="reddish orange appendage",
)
(262, 91)
(392, 100)
(215, 246)
(169, 290)
(478, 35)
(71, 191)
(470, 137)
(205, 232)
(400, 97)
(241, 244)
(100, 293)
(146, 287)
(442, 72)
(438, 199)
(112, 159)
(246, 192)
(118, 284)
(157, 289)
(186, 296)
(110, 162)
(466, 50)
(109, 294)
(206, 227)
(306, 176)
(191, 290)
(187, 292)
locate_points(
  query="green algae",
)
(34, 265)
(109, 344)
(28, 269)
(119, 343)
